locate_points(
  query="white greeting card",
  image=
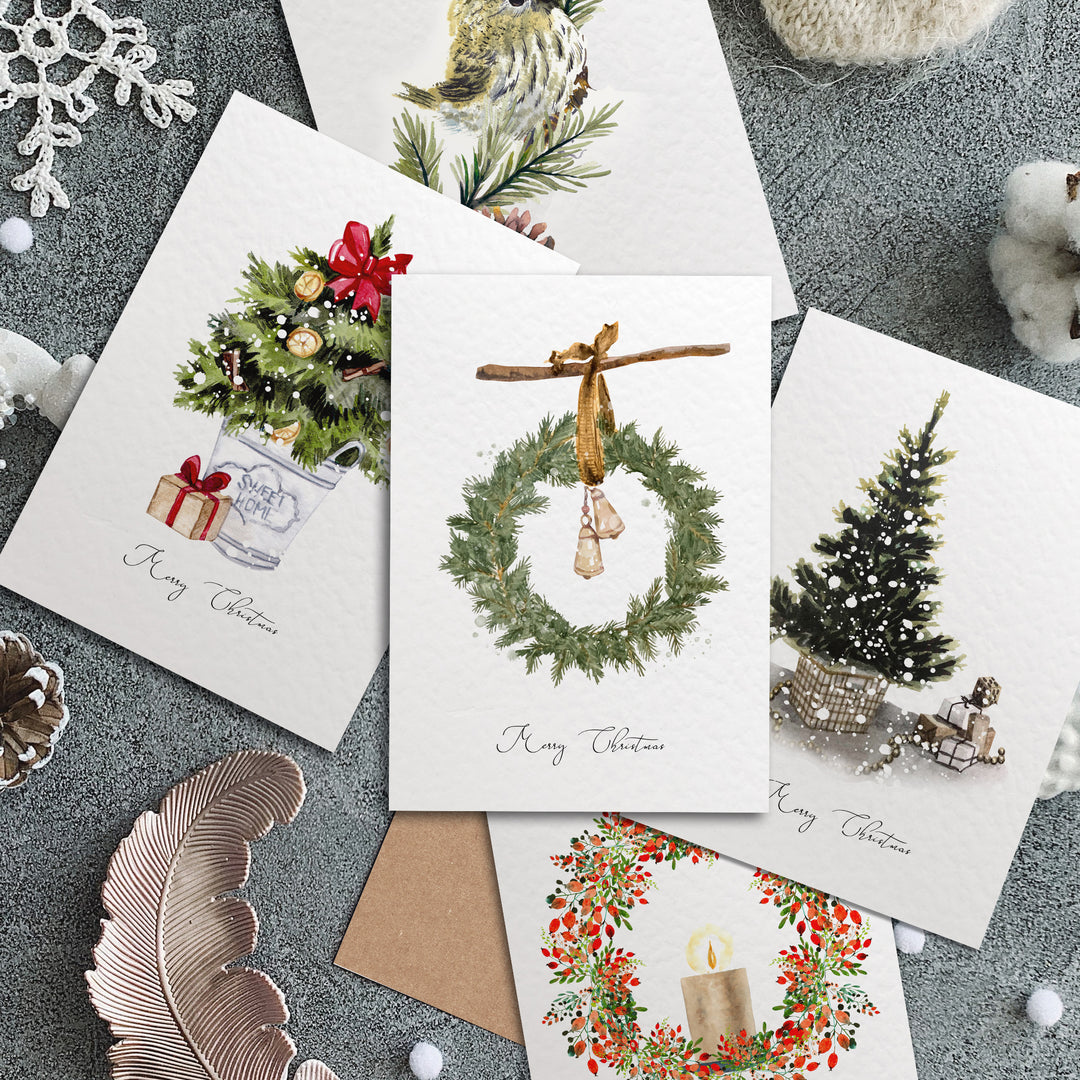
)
(217, 501)
(610, 129)
(927, 628)
(638, 954)
(578, 573)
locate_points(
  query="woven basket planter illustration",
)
(839, 697)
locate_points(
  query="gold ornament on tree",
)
(304, 342)
(32, 710)
(285, 436)
(309, 286)
(595, 418)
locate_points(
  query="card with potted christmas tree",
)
(578, 570)
(924, 657)
(224, 477)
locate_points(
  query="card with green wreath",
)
(222, 484)
(579, 562)
(607, 129)
(638, 954)
(926, 627)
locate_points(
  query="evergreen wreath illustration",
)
(483, 556)
(516, 80)
(605, 876)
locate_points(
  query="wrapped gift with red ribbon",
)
(363, 277)
(189, 505)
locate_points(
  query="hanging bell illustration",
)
(608, 523)
(587, 561)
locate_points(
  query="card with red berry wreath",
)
(223, 481)
(639, 954)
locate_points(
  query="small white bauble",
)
(1044, 1007)
(27, 366)
(909, 939)
(426, 1061)
(16, 235)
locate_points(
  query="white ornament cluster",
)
(31, 378)
(1035, 261)
(88, 35)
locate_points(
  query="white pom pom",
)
(16, 235)
(62, 391)
(426, 1061)
(909, 939)
(1044, 1007)
(1036, 198)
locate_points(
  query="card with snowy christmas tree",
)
(578, 572)
(218, 500)
(926, 627)
(607, 128)
(637, 953)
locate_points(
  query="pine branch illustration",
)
(420, 152)
(581, 11)
(543, 165)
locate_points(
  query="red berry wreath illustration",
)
(606, 875)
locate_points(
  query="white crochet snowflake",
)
(87, 35)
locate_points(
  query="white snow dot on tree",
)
(851, 601)
(199, 378)
(834, 582)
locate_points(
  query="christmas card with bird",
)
(579, 558)
(926, 629)
(218, 500)
(608, 129)
(636, 953)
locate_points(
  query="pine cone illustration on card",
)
(32, 710)
(514, 64)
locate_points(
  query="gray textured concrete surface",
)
(885, 187)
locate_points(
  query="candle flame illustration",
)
(710, 949)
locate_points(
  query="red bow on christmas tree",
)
(362, 275)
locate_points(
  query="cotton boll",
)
(426, 1061)
(63, 389)
(1036, 198)
(27, 366)
(909, 939)
(16, 235)
(1038, 284)
(1044, 1007)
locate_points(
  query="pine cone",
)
(32, 710)
(519, 221)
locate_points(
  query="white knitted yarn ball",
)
(877, 31)
(1045, 1007)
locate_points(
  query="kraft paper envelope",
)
(429, 923)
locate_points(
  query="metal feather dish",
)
(162, 978)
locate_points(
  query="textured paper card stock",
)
(556, 641)
(632, 159)
(927, 625)
(249, 574)
(429, 923)
(638, 954)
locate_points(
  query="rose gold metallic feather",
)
(162, 979)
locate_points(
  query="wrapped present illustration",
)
(956, 710)
(190, 505)
(987, 692)
(956, 753)
(932, 730)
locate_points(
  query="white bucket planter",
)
(273, 497)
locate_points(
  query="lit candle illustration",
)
(717, 999)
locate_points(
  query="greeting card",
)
(608, 129)
(926, 641)
(636, 953)
(218, 502)
(578, 578)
